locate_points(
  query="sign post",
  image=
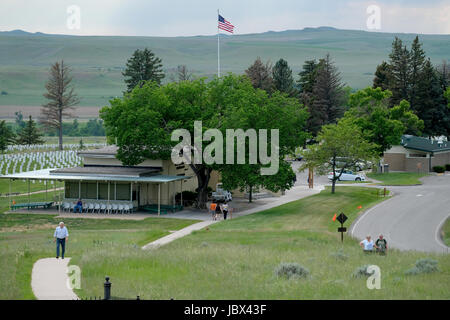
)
(342, 218)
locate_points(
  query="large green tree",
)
(343, 142)
(142, 122)
(399, 59)
(282, 77)
(143, 66)
(29, 134)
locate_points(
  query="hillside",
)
(97, 61)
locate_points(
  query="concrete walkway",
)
(295, 193)
(49, 280)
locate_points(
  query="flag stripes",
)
(225, 25)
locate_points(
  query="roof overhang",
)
(45, 174)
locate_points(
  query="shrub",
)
(439, 169)
(4, 93)
(423, 266)
(447, 167)
(339, 255)
(361, 272)
(291, 270)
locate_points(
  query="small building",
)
(417, 154)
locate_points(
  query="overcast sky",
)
(198, 17)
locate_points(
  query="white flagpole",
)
(218, 45)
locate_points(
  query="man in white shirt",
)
(61, 235)
(367, 244)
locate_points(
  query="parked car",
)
(221, 195)
(347, 175)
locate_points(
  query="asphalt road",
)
(412, 218)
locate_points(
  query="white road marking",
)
(419, 195)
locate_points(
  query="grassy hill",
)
(98, 61)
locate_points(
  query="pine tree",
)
(431, 104)
(416, 63)
(6, 136)
(328, 94)
(260, 75)
(282, 77)
(307, 76)
(400, 71)
(29, 134)
(444, 75)
(62, 99)
(141, 67)
(383, 76)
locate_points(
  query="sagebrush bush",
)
(423, 266)
(361, 272)
(339, 255)
(291, 270)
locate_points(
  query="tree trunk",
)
(203, 176)
(250, 194)
(60, 131)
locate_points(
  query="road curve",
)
(412, 218)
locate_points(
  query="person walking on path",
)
(367, 244)
(224, 209)
(212, 209)
(61, 236)
(381, 245)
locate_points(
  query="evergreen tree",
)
(141, 67)
(6, 136)
(29, 134)
(400, 71)
(431, 104)
(444, 75)
(260, 75)
(383, 76)
(282, 77)
(307, 77)
(417, 59)
(328, 94)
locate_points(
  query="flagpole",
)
(218, 46)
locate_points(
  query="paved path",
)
(292, 195)
(49, 280)
(412, 218)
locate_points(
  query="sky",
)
(199, 17)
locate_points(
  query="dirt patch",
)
(7, 112)
(22, 228)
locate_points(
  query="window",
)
(123, 191)
(89, 190)
(71, 190)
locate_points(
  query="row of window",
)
(88, 190)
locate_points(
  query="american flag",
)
(225, 25)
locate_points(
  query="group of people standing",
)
(380, 245)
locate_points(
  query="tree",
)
(29, 134)
(444, 75)
(183, 73)
(416, 65)
(261, 75)
(142, 122)
(143, 66)
(328, 96)
(381, 125)
(343, 142)
(19, 120)
(383, 76)
(62, 99)
(431, 107)
(6, 136)
(400, 71)
(282, 77)
(308, 77)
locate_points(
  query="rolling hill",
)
(97, 61)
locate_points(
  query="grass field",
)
(234, 259)
(398, 178)
(98, 62)
(446, 232)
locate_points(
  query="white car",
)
(347, 175)
(221, 195)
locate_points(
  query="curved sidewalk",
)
(49, 280)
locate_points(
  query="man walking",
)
(61, 235)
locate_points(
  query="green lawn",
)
(397, 178)
(236, 259)
(446, 232)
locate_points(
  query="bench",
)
(32, 205)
